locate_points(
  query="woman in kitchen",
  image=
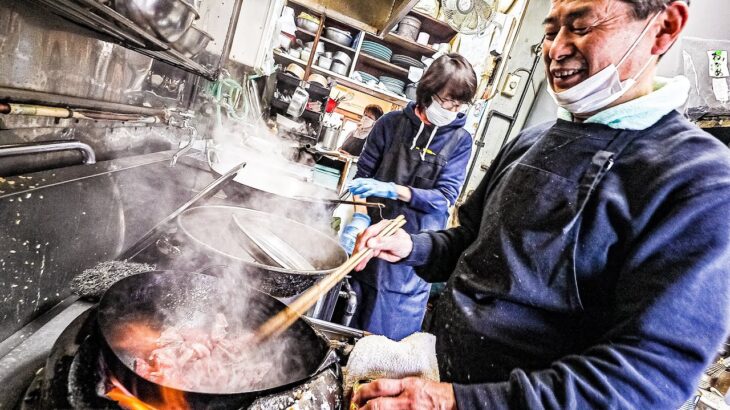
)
(355, 141)
(414, 161)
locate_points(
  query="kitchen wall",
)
(54, 224)
(519, 59)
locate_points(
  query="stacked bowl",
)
(393, 84)
(367, 78)
(406, 62)
(376, 50)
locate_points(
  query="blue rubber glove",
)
(367, 187)
(359, 224)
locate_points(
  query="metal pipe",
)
(43, 98)
(60, 112)
(51, 146)
(351, 304)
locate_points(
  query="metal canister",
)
(329, 138)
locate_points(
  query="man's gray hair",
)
(646, 8)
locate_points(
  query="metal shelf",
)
(105, 20)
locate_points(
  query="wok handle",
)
(206, 193)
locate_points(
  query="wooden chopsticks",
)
(282, 320)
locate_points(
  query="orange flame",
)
(171, 399)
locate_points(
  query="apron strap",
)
(601, 163)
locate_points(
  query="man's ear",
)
(672, 24)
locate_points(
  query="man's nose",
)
(561, 46)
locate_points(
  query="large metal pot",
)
(136, 309)
(272, 185)
(167, 19)
(208, 237)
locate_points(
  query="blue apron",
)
(487, 320)
(392, 298)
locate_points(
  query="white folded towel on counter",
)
(377, 357)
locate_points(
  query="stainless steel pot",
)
(329, 138)
(167, 19)
(343, 58)
(192, 42)
(338, 36)
(339, 68)
(307, 24)
(211, 239)
(269, 184)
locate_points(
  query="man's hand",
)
(410, 393)
(391, 249)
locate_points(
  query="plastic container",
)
(358, 225)
(326, 177)
(409, 27)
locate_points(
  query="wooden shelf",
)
(303, 31)
(409, 45)
(439, 30)
(332, 74)
(354, 84)
(384, 66)
(284, 56)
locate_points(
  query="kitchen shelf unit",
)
(103, 19)
(439, 31)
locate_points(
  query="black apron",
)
(396, 302)
(514, 300)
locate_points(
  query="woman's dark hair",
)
(374, 110)
(450, 76)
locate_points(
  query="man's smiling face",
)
(582, 37)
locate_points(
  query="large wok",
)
(156, 300)
(210, 238)
(272, 184)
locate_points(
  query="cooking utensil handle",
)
(282, 320)
(206, 193)
(337, 328)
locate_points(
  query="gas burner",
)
(75, 376)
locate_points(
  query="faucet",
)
(193, 136)
(49, 146)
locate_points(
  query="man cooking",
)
(591, 265)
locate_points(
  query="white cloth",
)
(377, 357)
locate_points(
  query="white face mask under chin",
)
(602, 88)
(438, 115)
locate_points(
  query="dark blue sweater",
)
(651, 268)
(385, 137)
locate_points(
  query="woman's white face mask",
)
(366, 122)
(438, 115)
